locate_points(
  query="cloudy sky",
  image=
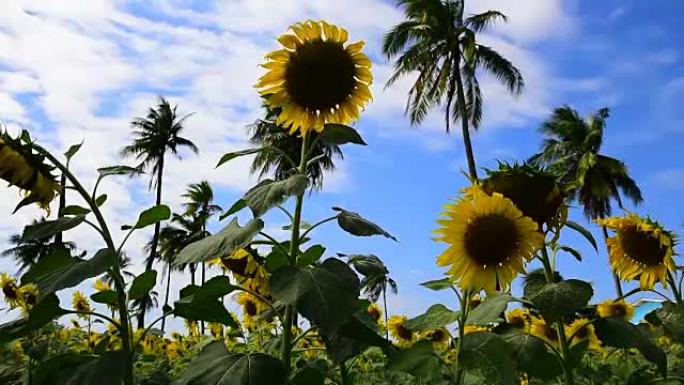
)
(79, 70)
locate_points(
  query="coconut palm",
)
(438, 43)
(571, 148)
(286, 149)
(27, 253)
(155, 135)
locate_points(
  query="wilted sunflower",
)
(315, 79)
(440, 338)
(581, 329)
(640, 248)
(539, 328)
(532, 190)
(519, 318)
(374, 312)
(80, 303)
(21, 167)
(489, 239)
(617, 309)
(397, 328)
(10, 290)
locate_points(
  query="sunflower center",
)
(618, 311)
(550, 333)
(320, 75)
(403, 332)
(9, 291)
(642, 246)
(491, 239)
(437, 335)
(374, 314)
(251, 308)
(237, 266)
(582, 333)
(517, 321)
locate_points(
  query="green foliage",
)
(223, 243)
(532, 356)
(490, 310)
(236, 154)
(75, 369)
(341, 134)
(354, 224)
(142, 285)
(202, 303)
(436, 316)
(152, 216)
(438, 284)
(621, 334)
(557, 300)
(671, 316)
(42, 230)
(269, 193)
(419, 360)
(490, 356)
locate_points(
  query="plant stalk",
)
(459, 374)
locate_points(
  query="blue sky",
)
(79, 70)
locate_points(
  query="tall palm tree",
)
(27, 253)
(154, 136)
(438, 42)
(571, 148)
(286, 148)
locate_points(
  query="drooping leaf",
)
(80, 369)
(490, 356)
(354, 224)
(216, 366)
(142, 285)
(202, 303)
(223, 243)
(573, 252)
(490, 310)
(352, 338)
(310, 256)
(671, 316)
(99, 201)
(235, 208)
(47, 229)
(153, 215)
(75, 272)
(532, 355)
(584, 232)
(437, 284)
(619, 333)
(435, 317)
(556, 300)
(118, 170)
(75, 210)
(419, 360)
(48, 264)
(43, 312)
(232, 155)
(367, 265)
(268, 193)
(341, 134)
(73, 149)
(108, 297)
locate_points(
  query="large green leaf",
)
(223, 243)
(490, 356)
(435, 317)
(268, 193)
(341, 134)
(216, 366)
(419, 360)
(108, 297)
(78, 369)
(671, 316)
(619, 333)
(43, 230)
(232, 155)
(202, 303)
(75, 272)
(310, 256)
(47, 264)
(352, 338)
(556, 300)
(490, 310)
(142, 285)
(153, 215)
(438, 284)
(584, 232)
(43, 312)
(236, 207)
(354, 224)
(326, 294)
(73, 149)
(308, 376)
(532, 355)
(75, 210)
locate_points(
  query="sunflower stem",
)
(459, 374)
(677, 294)
(286, 339)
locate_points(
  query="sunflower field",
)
(306, 317)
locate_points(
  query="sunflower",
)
(539, 328)
(475, 301)
(641, 248)
(440, 338)
(617, 309)
(315, 79)
(101, 285)
(28, 295)
(474, 329)
(216, 330)
(21, 167)
(581, 329)
(80, 303)
(489, 240)
(192, 327)
(397, 328)
(374, 312)
(519, 318)
(10, 290)
(251, 308)
(534, 191)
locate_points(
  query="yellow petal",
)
(281, 55)
(355, 48)
(289, 41)
(343, 36)
(361, 60)
(364, 75)
(327, 29)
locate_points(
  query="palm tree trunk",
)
(384, 304)
(192, 267)
(618, 285)
(155, 240)
(472, 168)
(166, 297)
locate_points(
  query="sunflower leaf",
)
(672, 318)
(341, 134)
(142, 285)
(73, 149)
(75, 369)
(573, 252)
(556, 300)
(236, 207)
(232, 155)
(532, 355)
(43, 230)
(419, 360)
(153, 215)
(354, 224)
(584, 232)
(268, 193)
(490, 310)
(435, 317)
(490, 356)
(118, 170)
(437, 284)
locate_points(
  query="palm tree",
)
(439, 43)
(286, 149)
(571, 148)
(155, 135)
(27, 253)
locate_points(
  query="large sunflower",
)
(489, 239)
(617, 309)
(641, 249)
(397, 328)
(314, 79)
(21, 167)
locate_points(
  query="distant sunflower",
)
(580, 330)
(246, 270)
(440, 338)
(397, 328)
(10, 290)
(21, 167)
(519, 318)
(316, 79)
(539, 328)
(474, 329)
(251, 308)
(28, 295)
(617, 309)
(489, 240)
(80, 303)
(641, 249)
(101, 285)
(374, 312)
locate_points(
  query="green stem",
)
(673, 282)
(459, 373)
(307, 231)
(286, 339)
(344, 374)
